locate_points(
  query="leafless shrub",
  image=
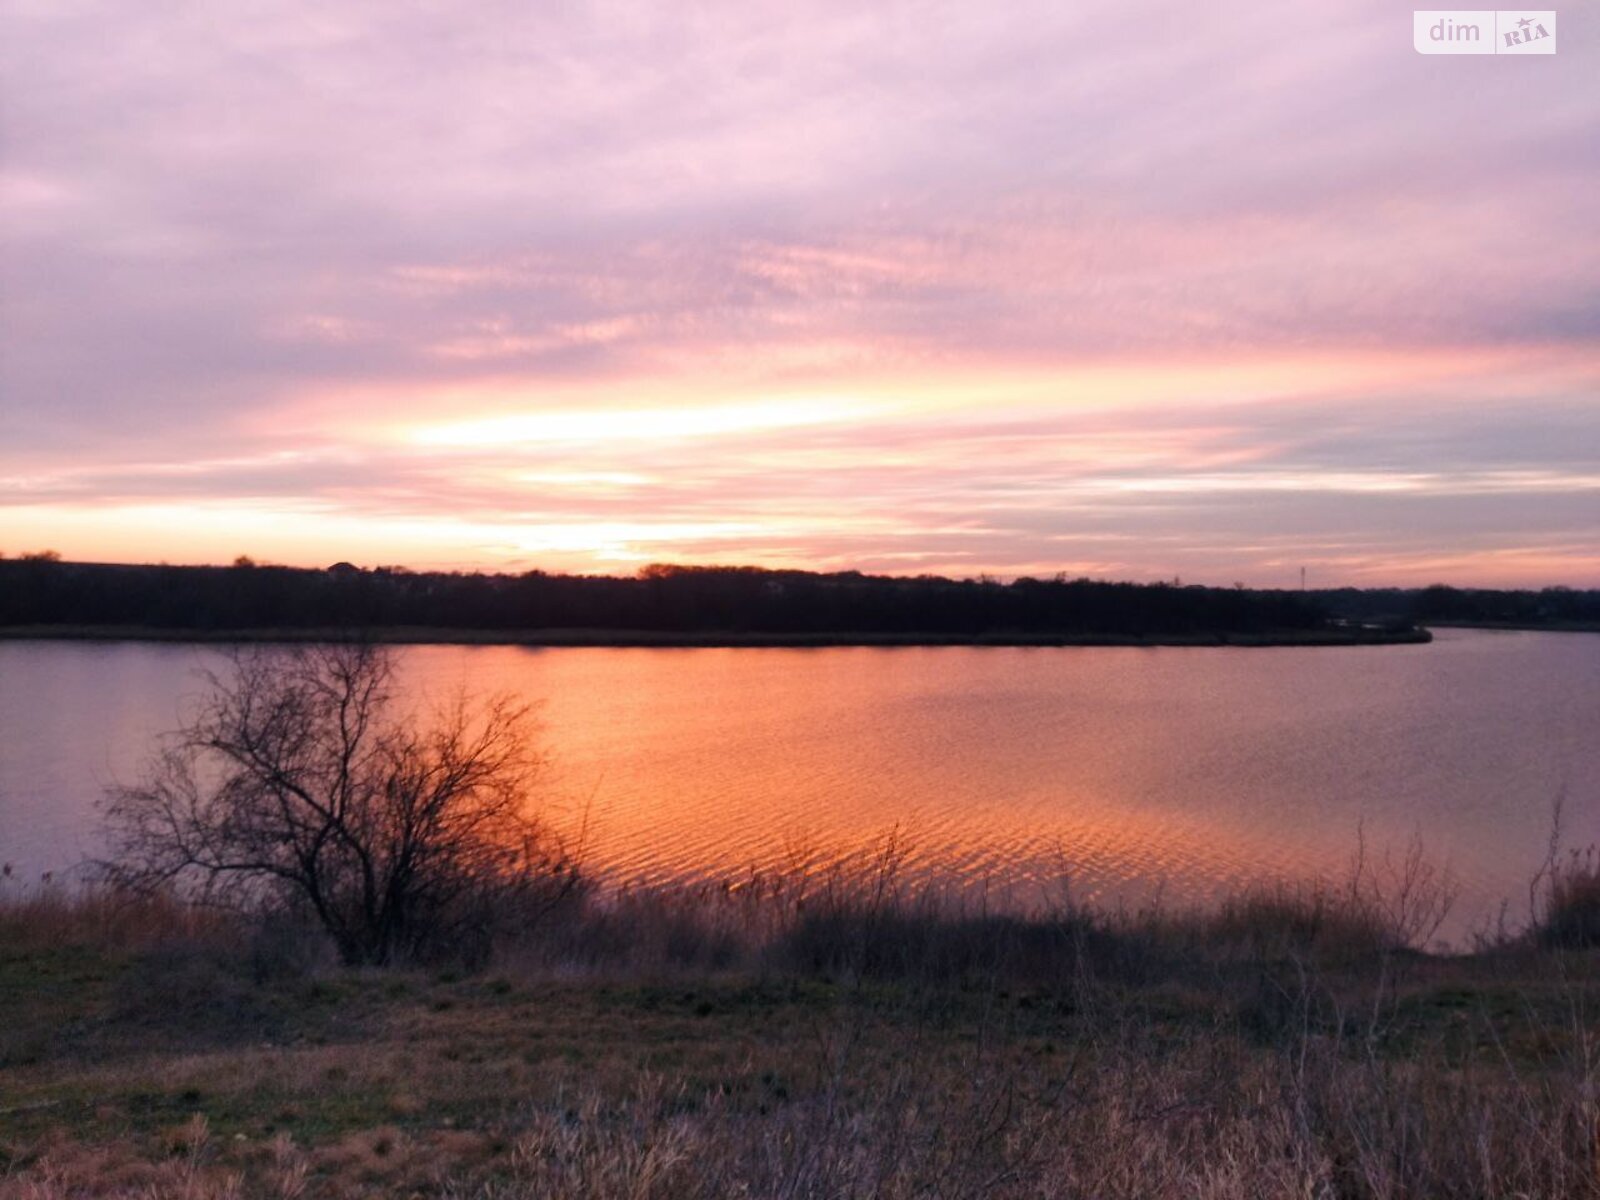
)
(1408, 892)
(297, 785)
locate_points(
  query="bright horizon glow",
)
(539, 287)
(631, 424)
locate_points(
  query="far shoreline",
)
(1521, 626)
(708, 640)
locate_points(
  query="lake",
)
(1187, 772)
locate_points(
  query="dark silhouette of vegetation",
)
(1552, 607)
(294, 785)
(660, 599)
(1569, 910)
(40, 591)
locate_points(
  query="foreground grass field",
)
(764, 1043)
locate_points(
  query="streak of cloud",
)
(1157, 290)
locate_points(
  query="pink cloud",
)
(1090, 287)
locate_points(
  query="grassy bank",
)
(834, 1035)
(409, 635)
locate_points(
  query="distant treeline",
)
(1553, 607)
(40, 591)
(43, 591)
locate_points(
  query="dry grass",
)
(1570, 912)
(840, 1034)
(1108, 1115)
(54, 914)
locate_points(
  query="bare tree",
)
(297, 780)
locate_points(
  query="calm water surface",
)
(1191, 770)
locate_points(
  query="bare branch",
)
(295, 779)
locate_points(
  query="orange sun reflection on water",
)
(1126, 773)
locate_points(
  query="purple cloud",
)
(245, 253)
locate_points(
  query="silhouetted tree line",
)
(1552, 606)
(659, 598)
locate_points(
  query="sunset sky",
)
(1143, 290)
